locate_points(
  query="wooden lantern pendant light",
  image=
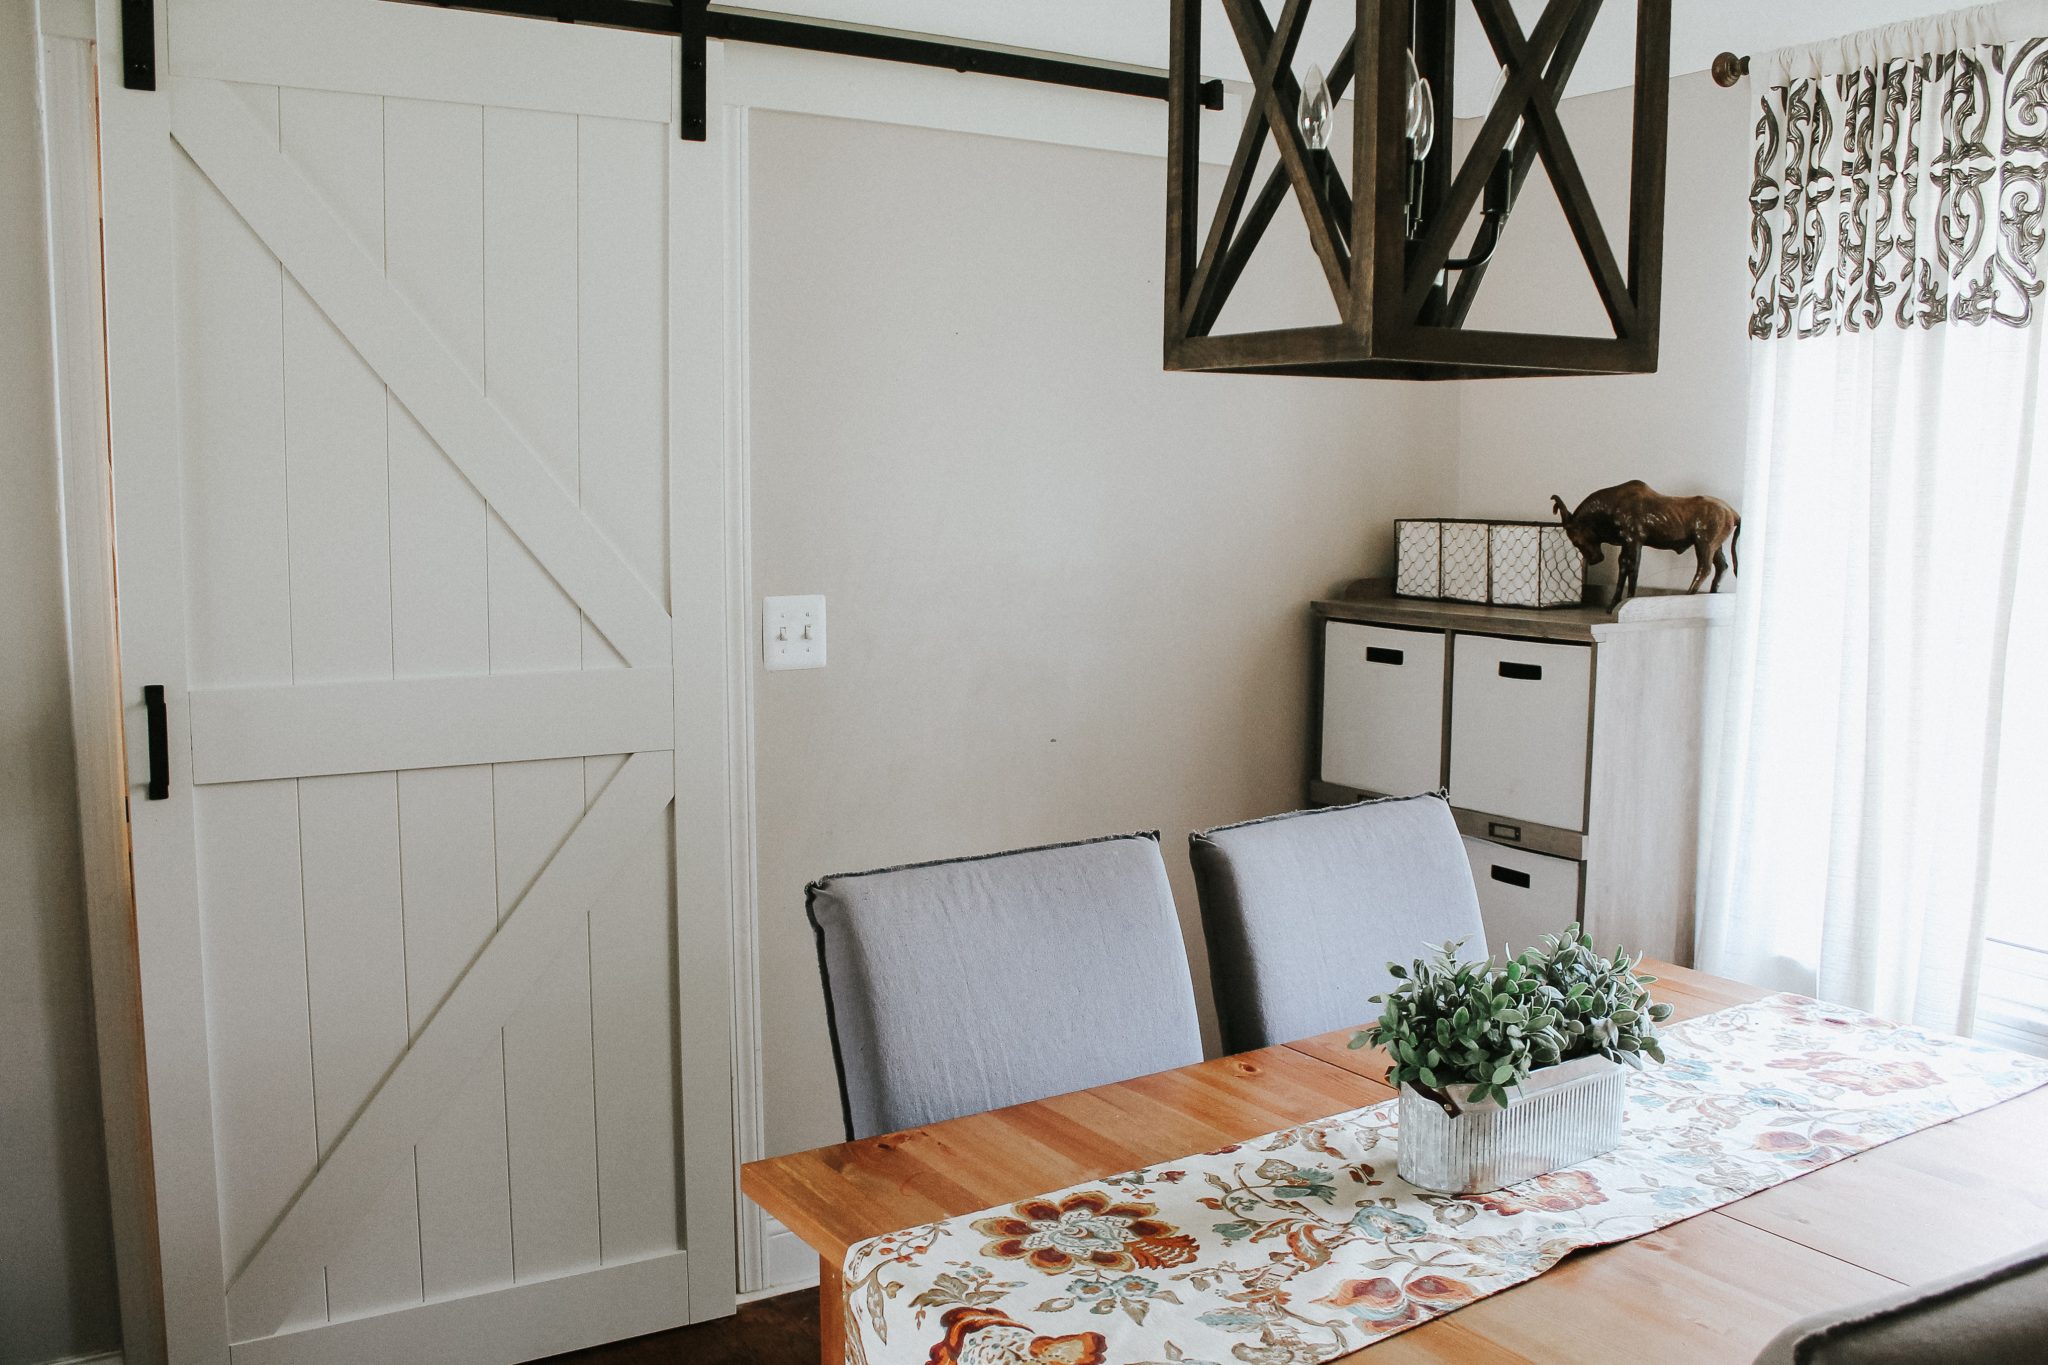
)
(1385, 231)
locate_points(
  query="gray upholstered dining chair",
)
(961, 986)
(1303, 912)
(1996, 1314)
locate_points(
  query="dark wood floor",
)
(777, 1331)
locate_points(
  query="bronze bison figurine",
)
(1633, 515)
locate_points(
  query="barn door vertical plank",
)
(340, 512)
(355, 973)
(433, 254)
(623, 341)
(448, 870)
(248, 852)
(335, 422)
(230, 332)
(230, 338)
(530, 191)
(529, 186)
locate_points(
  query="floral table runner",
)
(1301, 1246)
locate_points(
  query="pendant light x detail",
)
(1400, 314)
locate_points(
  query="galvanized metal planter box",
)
(1560, 1116)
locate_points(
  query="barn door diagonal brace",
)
(138, 44)
(695, 21)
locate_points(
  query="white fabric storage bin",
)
(1418, 563)
(1521, 714)
(1522, 895)
(1383, 708)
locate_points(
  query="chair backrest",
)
(1304, 911)
(957, 987)
(1995, 1314)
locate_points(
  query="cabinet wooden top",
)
(1371, 600)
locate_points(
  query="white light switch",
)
(793, 632)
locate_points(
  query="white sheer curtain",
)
(1875, 803)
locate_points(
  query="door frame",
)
(68, 76)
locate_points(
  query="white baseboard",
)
(109, 1358)
(790, 1265)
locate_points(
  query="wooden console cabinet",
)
(1569, 741)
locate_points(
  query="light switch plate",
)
(793, 632)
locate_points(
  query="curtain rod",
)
(1729, 69)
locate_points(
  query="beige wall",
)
(1681, 429)
(56, 1266)
(1066, 589)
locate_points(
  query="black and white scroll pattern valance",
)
(1908, 194)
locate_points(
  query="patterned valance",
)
(1908, 193)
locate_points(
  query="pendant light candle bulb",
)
(1421, 119)
(1317, 109)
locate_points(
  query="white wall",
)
(56, 1264)
(1067, 590)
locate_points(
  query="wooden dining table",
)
(1714, 1288)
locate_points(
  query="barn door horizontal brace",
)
(695, 22)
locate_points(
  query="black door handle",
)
(1523, 672)
(159, 743)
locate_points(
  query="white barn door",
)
(419, 510)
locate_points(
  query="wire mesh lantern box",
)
(1403, 227)
(1500, 563)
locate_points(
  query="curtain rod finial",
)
(1729, 68)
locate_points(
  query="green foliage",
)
(1462, 1023)
(1489, 1024)
(1605, 1003)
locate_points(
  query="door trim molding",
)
(732, 130)
(69, 80)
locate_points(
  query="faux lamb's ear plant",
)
(1488, 1025)
(1606, 1008)
(1460, 1023)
